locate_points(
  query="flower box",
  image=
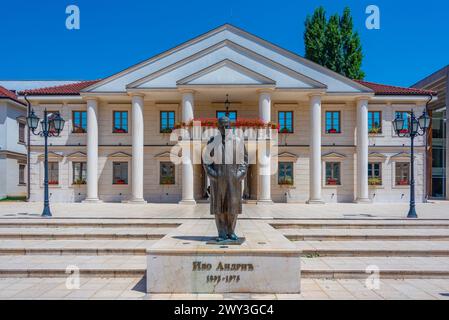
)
(79, 130)
(79, 182)
(332, 131)
(403, 183)
(285, 131)
(166, 130)
(120, 181)
(53, 182)
(119, 130)
(375, 131)
(332, 182)
(374, 181)
(403, 131)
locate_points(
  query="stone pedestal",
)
(183, 262)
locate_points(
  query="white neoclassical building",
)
(336, 139)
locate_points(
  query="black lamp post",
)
(416, 127)
(49, 128)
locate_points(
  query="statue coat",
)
(226, 182)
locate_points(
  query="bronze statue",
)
(226, 183)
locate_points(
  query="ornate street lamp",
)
(52, 126)
(227, 105)
(416, 127)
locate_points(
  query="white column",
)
(315, 151)
(92, 151)
(264, 168)
(187, 166)
(137, 148)
(362, 151)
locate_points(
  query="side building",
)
(13, 149)
(437, 171)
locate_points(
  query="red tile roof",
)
(75, 88)
(7, 94)
(382, 89)
(72, 89)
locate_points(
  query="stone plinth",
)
(183, 262)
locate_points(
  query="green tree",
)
(333, 43)
(314, 37)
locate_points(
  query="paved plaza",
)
(349, 251)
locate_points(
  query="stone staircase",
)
(357, 248)
(339, 248)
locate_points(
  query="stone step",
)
(74, 247)
(49, 233)
(363, 224)
(374, 248)
(85, 223)
(365, 234)
(62, 266)
(135, 266)
(386, 267)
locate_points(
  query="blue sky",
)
(413, 40)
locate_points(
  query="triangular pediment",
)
(52, 155)
(77, 154)
(226, 72)
(165, 155)
(254, 65)
(286, 154)
(377, 155)
(119, 154)
(401, 156)
(333, 155)
(287, 69)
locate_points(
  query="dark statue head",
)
(223, 124)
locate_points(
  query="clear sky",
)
(413, 40)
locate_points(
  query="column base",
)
(315, 201)
(363, 200)
(265, 202)
(135, 201)
(187, 202)
(92, 200)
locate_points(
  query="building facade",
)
(437, 173)
(13, 150)
(336, 141)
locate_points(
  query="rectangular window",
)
(402, 173)
(406, 116)
(120, 173)
(120, 122)
(285, 173)
(79, 121)
(374, 122)
(375, 174)
(333, 122)
(21, 174)
(21, 132)
(285, 121)
(232, 115)
(333, 173)
(167, 173)
(79, 172)
(167, 121)
(53, 173)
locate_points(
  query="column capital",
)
(186, 90)
(316, 94)
(360, 98)
(90, 98)
(265, 90)
(136, 94)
